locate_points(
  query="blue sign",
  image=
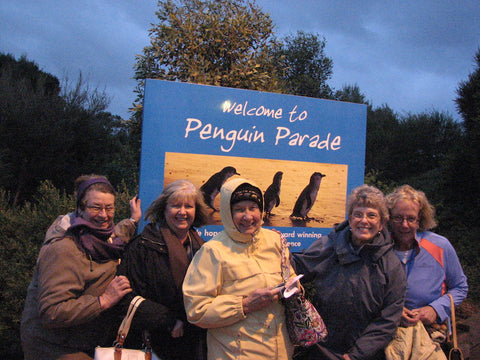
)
(309, 153)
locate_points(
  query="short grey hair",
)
(368, 196)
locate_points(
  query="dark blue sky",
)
(408, 54)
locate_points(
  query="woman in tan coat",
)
(74, 286)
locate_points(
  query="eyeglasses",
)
(400, 219)
(96, 209)
(370, 215)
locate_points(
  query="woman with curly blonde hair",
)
(429, 260)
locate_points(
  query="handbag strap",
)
(127, 321)
(454, 330)
(285, 265)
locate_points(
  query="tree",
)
(29, 100)
(213, 42)
(303, 66)
(468, 159)
(382, 127)
(48, 132)
(223, 43)
(405, 147)
(468, 102)
(351, 93)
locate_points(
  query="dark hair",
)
(178, 189)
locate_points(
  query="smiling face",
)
(179, 215)
(246, 216)
(404, 223)
(365, 223)
(99, 208)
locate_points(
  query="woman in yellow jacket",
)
(230, 288)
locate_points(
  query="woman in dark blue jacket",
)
(359, 284)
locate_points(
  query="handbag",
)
(455, 352)
(402, 345)
(413, 342)
(305, 326)
(117, 352)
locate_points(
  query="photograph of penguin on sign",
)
(305, 154)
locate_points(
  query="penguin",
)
(271, 197)
(307, 197)
(212, 186)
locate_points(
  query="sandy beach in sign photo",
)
(328, 209)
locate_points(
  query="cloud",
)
(408, 54)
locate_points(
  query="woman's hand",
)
(427, 315)
(259, 299)
(135, 209)
(409, 317)
(177, 330)
(115, 291)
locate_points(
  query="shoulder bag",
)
(117, 352)
(304, 324)
(455, 352)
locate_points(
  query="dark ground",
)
(468, 330)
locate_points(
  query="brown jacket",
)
(62, 314)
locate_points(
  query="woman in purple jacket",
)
(429, 260)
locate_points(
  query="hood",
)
(341, 238)
(226, 212)
(57, 230)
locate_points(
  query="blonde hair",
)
(426, 214)
(178, 189)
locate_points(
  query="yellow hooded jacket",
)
(226, 269)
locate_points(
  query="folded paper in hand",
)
(292, 289)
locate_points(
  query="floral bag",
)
(304, 324)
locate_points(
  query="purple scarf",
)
(100, 244)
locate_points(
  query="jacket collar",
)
(342, 242)
(151, 233)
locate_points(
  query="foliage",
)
(404, 147)
(211, 42)
(374, 178)
(221, 43)
(48, 132)
(303, 66)
(467, 162)
(28, 120)
(22, 230)
(351, 93)
(462, 170)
